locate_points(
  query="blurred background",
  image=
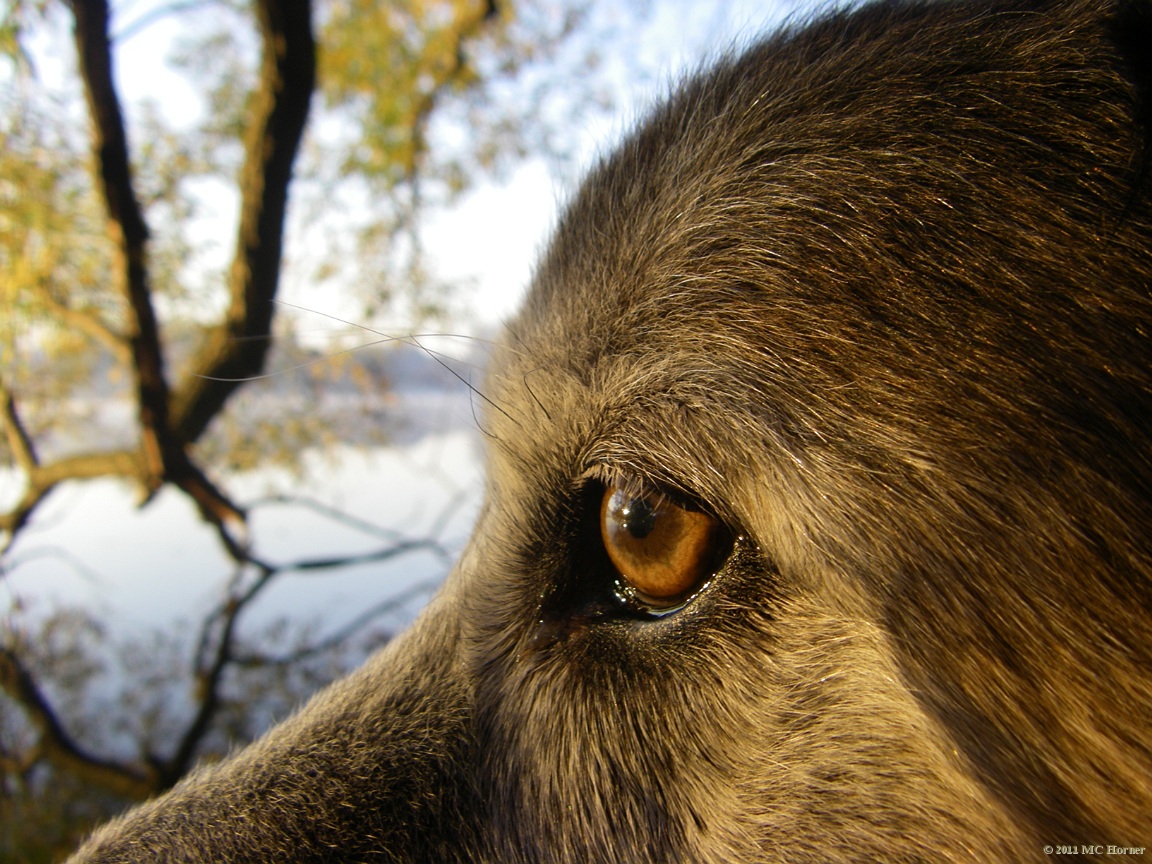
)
(253, 254)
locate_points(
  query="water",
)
(90, 545)
(150, 576)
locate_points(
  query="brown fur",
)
(877, 294)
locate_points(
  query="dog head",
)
(819, 513)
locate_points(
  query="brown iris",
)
(662, 551)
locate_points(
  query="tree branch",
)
(231, 354)
(209, 673)
(209, 676)
(337, 638)
(43, 478)
(86, 322)
(214, 505)
(59, 747)
(128, 230)
(19, 442)
(165, 458)
(443, 80)
(214, 655)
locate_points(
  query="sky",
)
(489, 241)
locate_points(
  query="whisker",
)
(435, 356)
(385, 338)
(306, 364)
(413, 339)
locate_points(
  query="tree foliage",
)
(112, 294)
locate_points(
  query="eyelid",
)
(638, 480)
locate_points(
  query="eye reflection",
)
(663, 552)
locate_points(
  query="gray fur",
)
(878, 294)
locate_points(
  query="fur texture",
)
(878, 295)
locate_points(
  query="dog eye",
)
(663, 552)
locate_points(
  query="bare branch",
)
(165, 458)
(328, 511)
(209, 676)
(214, 506)
(342, 635)
(42, 479)
(215, 654)
(87, 466)
(12, 563)
(209, 670)
(59, 747)
(280, 105)
(399, 548)
(365, 526)
(21, 444)
(128, 230)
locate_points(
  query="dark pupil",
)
(638, 517)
